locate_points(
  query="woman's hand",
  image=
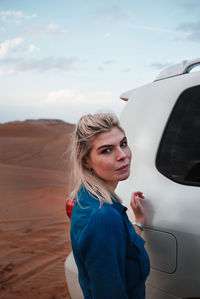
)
(137, 207)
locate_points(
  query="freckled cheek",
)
(105, 165)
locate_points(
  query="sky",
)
(62, 59)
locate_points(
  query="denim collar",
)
(87, 199)
(119, 207)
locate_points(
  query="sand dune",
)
(34, 228)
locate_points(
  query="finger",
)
(133, 200)
(139, 193)
(136, 194)
(136, 201)
(133, 196)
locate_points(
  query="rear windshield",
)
(178, 156)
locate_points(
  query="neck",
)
(112, 185)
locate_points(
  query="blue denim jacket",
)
(110, 256)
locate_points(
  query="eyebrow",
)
(110, 145)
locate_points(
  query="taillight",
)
(69, 207)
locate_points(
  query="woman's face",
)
(110, 157)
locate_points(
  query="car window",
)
(178, 156)
(194, 68)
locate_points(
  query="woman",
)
(108, 250)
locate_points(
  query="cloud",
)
(2, 72)
(113, 14)
(127, 70)
(15, 15)
(11, 13)
(72, 96)
(65, 95)
(105, 64)
(9, 45)
(32, 49)
(110, 61)
(150, 28)
(12, 72)
(35, 30)
(159, 65)
(65, 107)
(102, 97)
(190, 30)
(56, 29)
(32, 30)
(7, 73)
(71, 104)
(187, 5)
(20, 64)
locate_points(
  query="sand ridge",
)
(34, 229)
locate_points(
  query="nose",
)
(121, 154)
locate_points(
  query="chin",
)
(124, 177)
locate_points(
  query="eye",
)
(124, 143)
(106, 151)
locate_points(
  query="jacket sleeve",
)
(103, 249)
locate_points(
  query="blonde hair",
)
(89, 127)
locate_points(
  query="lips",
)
(123, 168)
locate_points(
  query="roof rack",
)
(178, 69)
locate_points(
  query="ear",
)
(86, 162)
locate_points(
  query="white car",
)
(162, 123)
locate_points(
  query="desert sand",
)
(34, 228)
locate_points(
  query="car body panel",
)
(71, 274)
(172, 209)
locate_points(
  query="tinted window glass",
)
(178, 156)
